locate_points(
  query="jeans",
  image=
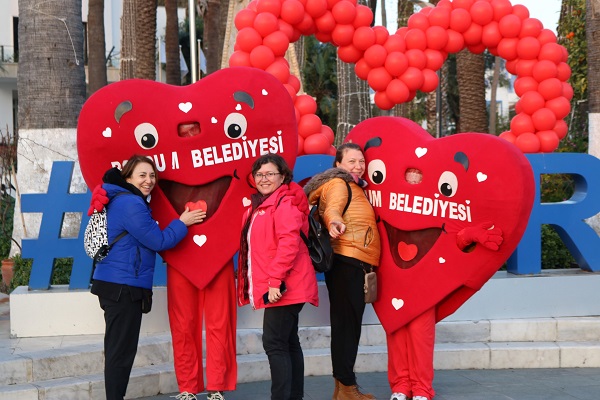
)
(282, 345)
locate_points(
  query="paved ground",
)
(521, 384)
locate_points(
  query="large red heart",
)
(424, 192)
(204, 139)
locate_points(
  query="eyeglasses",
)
(269, 175)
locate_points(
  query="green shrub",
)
(61, 271)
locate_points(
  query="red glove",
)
(99, 200)
(482, 234)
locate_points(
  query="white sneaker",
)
(398, 396)
(420, 398)
(185, 396)
(215, 396)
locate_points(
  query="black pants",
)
(123, 321)
(282, 345)
(345, 284)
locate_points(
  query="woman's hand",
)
(336, 229)
(192, 217)
(274, 295)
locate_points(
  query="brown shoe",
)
(352, 393)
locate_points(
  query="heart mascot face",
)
(429, 195)
(203, 138)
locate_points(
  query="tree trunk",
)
(96, 46)
(172, 44)
(471, 88)
(493, 102)
(215, 23)
(145, 39)
(405, 10)
(128, 35)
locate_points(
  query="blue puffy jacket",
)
(131, 260)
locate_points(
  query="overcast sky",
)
(546, 11)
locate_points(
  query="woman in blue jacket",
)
(123, 280)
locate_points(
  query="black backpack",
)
(318, 240)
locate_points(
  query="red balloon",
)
(316, 144)
(567, 90)
(511, 66)
(543, 119)
(382, 101)
(305, 104)
(395, 43)
(248, 39)
(435, 59)
(323, 37)
(550, 88)
(379, 78)
(397, 92)
(287, 29)
(508, 136)
(328, 132)
(510, 26)
(560, 106)
(294, 82)
(307, 27)
(342, 35)
(290, 89)
(528, 143)
(437, 37)
(270, 6)
(531, 27)
(300, 145)
(416, 58)
(375, 55)
(518, 108)
(415, 39)
(239, 59)
(364, 37)
(325, 23)
(265, 23)
(418, 21)
(490, 36)
(460, 20)
(308, 125)
(521, 123)
(396, 63)
(561, 128)
(501, 9)
(524, 85)
(261, 57)
(430, 81)
(525, 67)
(482, 13)
(244, 19)
(546, 36)
(476, 49)
(548, 141)
(563, 71)
(364, 16)
(278, 42)
(413, 78)
(543, 70)
(456, 42)
(316, 8)
(520, 11)
(381, 35)
(344, 12)
(440, 16)
(528, 48)
(507, 48)
(332, 151)
(552, 52)
(464, 4)
(280, 71)
(473, 35)
(349, 54)
(362, 69)
(292, 11)
(531, 102)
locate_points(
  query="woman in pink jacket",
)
(275, 271)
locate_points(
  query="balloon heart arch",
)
(397, 65)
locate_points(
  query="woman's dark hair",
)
(278, 161)
(128, 168)
(339, 154)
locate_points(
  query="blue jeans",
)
(282, 345)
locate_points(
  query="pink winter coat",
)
(276, 251)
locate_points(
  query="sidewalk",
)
(507, 384)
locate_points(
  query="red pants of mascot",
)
(188, 306)
(410, 357)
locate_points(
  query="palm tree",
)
(592, 28)
(145, 39)
(172, 44)
(96, 46)
(215, 23)
(470, 70)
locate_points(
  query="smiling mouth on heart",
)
(405, 252)
(212, 192)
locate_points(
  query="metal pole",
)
(193, 52)
(438, 104)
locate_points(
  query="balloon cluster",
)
(397, 65)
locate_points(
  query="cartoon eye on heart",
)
(397, 65)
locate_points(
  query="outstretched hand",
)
(485, 234)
